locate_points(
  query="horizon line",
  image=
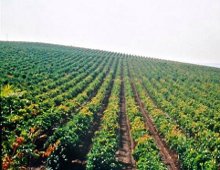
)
(213, 65)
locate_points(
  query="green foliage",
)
(106, 140)
(51, 96)
(145, 152)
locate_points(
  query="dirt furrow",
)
(124, 154)
(80, 163)
(155, 103)
(168, 156)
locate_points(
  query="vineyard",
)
(76, 108)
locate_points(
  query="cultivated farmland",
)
(76, 108)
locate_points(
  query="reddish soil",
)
(191, 134)
(170, 158)
(40, 142)
(80, 162)
(124, 154)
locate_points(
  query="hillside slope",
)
(76, 108)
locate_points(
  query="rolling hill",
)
(76, 108)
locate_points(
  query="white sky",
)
(181, 30)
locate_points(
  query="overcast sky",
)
(181, 30)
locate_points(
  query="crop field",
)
(76, 108)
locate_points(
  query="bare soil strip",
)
(35, 164)
(68, 117)
(169, 157)
(80, 163)
(155, 103)
(124, 154)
